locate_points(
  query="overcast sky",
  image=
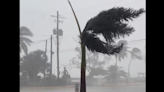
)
(36, 15)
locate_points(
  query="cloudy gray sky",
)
(36, 15)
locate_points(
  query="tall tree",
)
(111, 24)
(124, 51)
(114, 73)
(34, 63)
(24, 41)
(135, 54)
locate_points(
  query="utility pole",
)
(45, 60)
(51, 57)
(57, 37)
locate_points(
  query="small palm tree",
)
(24, 41)
(114, 73)
(135, 54)
(124, 52)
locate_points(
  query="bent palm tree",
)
(124, 51)
(112, 24)
(135, 54)
(24, 41)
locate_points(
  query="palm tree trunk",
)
(83, 70)
(75, 17)
(116, 59)
(83, 60)
(129, 66)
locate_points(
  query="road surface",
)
(137, 88)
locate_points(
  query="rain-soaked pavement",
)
(136, 88)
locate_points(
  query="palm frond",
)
(123, 73)
(110, 22)
(136, 50)
(93, 43)
(24, 31)
(119, 68)
(24, 47)
(136, 54)
(111, 25)
(122, 42)
(26, 40)
(124, 52)
(115, 72)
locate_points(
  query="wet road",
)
(138, 88)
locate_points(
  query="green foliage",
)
(111, 24)
(34, 63)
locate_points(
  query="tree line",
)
(35, 62)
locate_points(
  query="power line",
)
(137, 40)
(39, 41)
(40, 35)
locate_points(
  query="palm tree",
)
(135, 54)
(114, 73)
(24, 41)
(112, 24)
(124, 51)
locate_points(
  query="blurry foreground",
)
(130, 88)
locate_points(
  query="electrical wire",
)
(89, 7)
(39, 41)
